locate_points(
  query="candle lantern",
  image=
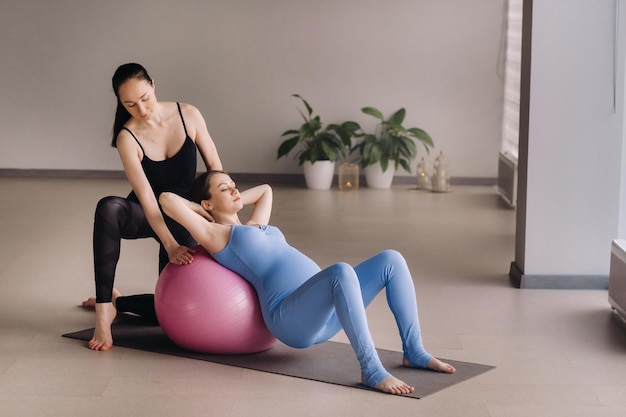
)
(441, 176)
(423, 176)
(348, 177)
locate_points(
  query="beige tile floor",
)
(557, 352)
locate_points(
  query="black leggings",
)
(120, 218)
(141, 305)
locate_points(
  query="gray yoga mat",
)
(329, 362)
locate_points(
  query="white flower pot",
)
(319, 175)
(376, 178)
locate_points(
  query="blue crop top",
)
(263, 257)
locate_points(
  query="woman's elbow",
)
(166, 199)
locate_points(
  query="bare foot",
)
(102, 337)
(392, 385)
(439, 366)
(435, 365)
(91, 301)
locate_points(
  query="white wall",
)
(575, 138)
(239, 61)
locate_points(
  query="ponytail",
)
(121, 117)
(122, 74)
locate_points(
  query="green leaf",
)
(309, 109)
(405, 165)
(397, 118)
(372, 152)
(290, 132)
(422, 136)
(409, 147)
(329, 151)
(287, 146)
(350, 126)
(384, 164)
(314, 155)
(373, 112)
(327, 136)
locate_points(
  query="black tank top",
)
(174, 174)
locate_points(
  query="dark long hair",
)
(200, 187)
(122, 74)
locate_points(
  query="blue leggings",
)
(336, 298)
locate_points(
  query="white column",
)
(574, 199)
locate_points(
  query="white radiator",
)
(617, 277)
(507, 177)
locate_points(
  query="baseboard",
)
(556, 282)
(565, 282)
(61, 173)
(271, 178)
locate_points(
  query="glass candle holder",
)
(441, 177)
(348, 177)
(423, 176)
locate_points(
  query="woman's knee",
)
(342, 269)
(392, 257)
(343, 273)
(394, 265)
(111, 207)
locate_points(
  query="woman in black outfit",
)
(157, 143)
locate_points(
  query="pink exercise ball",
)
(205, 307)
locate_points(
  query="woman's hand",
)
(181, 255)
(205, 214)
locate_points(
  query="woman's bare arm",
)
(212, 236)
(200, 134)
(262, 198)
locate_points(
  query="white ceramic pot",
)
(376, 178)
(319, 175)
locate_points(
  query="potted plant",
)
(319, 147)
(389, 147)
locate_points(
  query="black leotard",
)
(176, 173)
